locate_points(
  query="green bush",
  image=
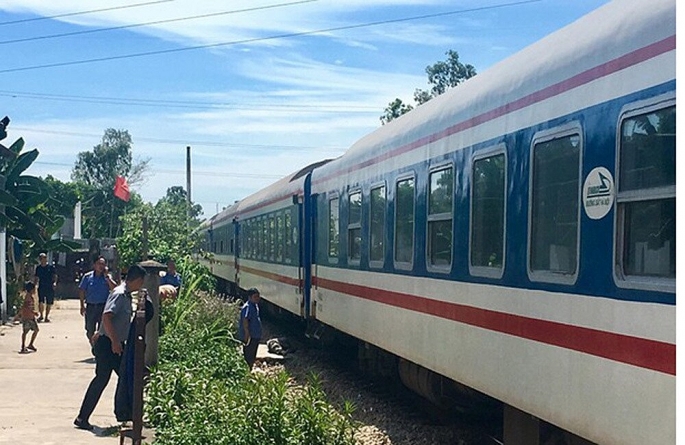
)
(203, 393)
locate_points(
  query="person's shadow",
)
(90, 360)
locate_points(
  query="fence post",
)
(151, 283)
(138, 371)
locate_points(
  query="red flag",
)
(121, 190)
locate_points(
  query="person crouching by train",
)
(109, 343)
(250, 326)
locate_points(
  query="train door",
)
(306, 220)
(236, 255)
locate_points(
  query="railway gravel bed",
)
(385, 414)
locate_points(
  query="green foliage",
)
(442, 75)
(395, 109)
(170, 234)
(94, 175)
(203, 393)
(26, 215)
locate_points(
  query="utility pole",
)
(188, 183)
(5, 154)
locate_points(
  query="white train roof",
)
(607, 33)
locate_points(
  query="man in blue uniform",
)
(93, 292)
(250, 326)
(171, 277)
(46, 279)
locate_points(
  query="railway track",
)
(387, 413)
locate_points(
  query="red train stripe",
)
(644, 353)
(271, 276)
(592, 74)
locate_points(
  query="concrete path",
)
(41, 392)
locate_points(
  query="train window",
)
(404, 221)
(263, 239)
(272, 238)
(354, 227)
(377, 226)
(554, 212)
(440, 197)
(279, 237)
(333, 228)
(488, 179)
(288, 237)
(646, 195)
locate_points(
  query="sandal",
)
(31, 347)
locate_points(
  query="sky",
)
(257, 88)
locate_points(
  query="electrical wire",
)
(187, 104)
(158, 22)
(90, 11)
(176, 142)
(183, 172)
(262, 39)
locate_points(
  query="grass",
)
(203, 393)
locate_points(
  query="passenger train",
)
(514, 236)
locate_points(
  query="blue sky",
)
(252, 112)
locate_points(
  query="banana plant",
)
(25, 216)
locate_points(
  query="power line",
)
(187, 104)
(195, 143)
(91, 11)
(183, 172)
(261, 39)
(158, 22)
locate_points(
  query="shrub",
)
(203, 393)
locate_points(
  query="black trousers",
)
(105, 362)
(250, 351)
(93, 318)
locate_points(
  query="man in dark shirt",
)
(109, 344)
(172, 277)
(250, 326)
(46, 279)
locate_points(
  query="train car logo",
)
(598, 193)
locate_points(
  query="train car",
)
(517, 234)
(218, 247)
(273, 242)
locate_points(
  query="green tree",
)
(442, 75)
(29, 221)
(95, 173)
(170, 232)
(394, 110)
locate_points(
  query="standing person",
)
(110, 342)
(28, 317)
(93, 291)
(172, 277)
(46, 279)
(250, 326)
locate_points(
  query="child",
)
(28, 316)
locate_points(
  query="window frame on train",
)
(446, 218)
(373, 262)
(549, 275)
(404, 265)
(287, 230)
(329, 242)
(626, 198)
(354, 226)
(481, 270)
